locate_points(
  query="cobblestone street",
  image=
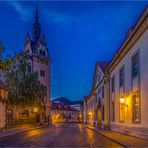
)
(58, 135)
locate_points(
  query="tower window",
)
(42, 73)
(44, 54)
(29, 68)
(40, 52)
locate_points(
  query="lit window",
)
(135, 65)
(122, 112)
(136, 108)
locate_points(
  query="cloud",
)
(58, 18)
(25, 13)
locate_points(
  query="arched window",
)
(44, 54)
(40, 51)
(29, 68)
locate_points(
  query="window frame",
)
(122, 76)
(137, 94)
(137, 53)
(113, 84)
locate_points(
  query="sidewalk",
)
(13, 131)
(127, 141)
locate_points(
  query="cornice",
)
(137, 32)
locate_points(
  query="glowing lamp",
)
(122, 100)
(89, 113)
(35, 109)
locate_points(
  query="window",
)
(44, 54)
(113, 84)
(40, 51)
(136, 108)
(121, 77)
(99, 76)
(135, 65)
(122, 113)
(103, 112)
(29, 68)
(103, 91)
(113, 111)
(42, 73)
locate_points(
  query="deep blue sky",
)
(78, 35)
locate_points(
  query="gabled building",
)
(118, 100)
(94, 104)
(64, 110)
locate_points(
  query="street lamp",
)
(122, 100)
(90, 113)
(35, 109)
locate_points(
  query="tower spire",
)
(36, 29)
(36, 12)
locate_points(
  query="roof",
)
(3, 85)
(76, 102)
(59, 106)
(103, 65)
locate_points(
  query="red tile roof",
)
(59, 106)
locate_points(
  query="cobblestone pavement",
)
(58, 135)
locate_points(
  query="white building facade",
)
(128, 74)
(123, 105)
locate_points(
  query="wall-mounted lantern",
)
(90, 113)
(122, 101)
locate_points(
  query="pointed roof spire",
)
(36, 29)
(36, 12)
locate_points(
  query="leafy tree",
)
(32, 92)
(14, 75)
(3, 63)
(26, 90)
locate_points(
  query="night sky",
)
(78, 34)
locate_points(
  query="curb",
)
(24, 131)
(106, 136)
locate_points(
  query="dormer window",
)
(99, 77)
(42, 52)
